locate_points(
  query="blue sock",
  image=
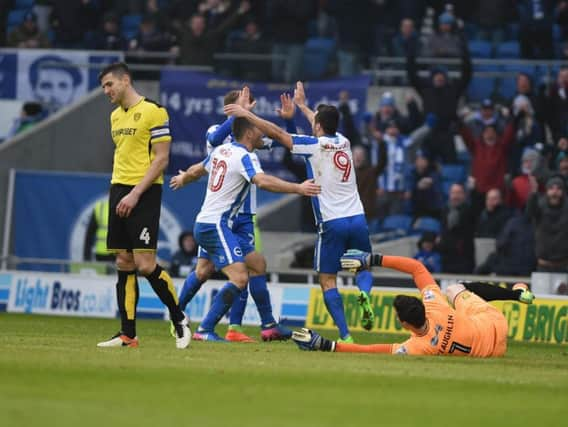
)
(238, 309)
(219, 307)
(261, 296)
(334, 305)
(190, 287)
(364, 281)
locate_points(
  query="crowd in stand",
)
(509, 181)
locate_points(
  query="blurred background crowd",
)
(494, 166)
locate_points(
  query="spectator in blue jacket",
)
(536, 18)
(427, 254)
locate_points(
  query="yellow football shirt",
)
(134, 130)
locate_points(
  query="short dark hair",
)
(328, 118)
(240, 126)
(232, 96)
(117, 68)
(410, 310)
(54, 62)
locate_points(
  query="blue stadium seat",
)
(453, 173)
(446, 188)
(317, 56)
(427, 223)
(398, 223)
(24, 4)
(482, 87)
(374, 226)
(510, 49)
(512, 32)
(129, 23)
(15, 18)
(480, 49)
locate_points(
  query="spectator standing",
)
(198, 42)
(562, 166)
(388, 111)
(393, 192)
(549, 213)
(556, 105)
(425, 185)
(355, 22)
(485, 116)
(535, 30)
(109, 38)
(456, 239)
(515, 245)
(427, 254)
(28, 35)
(521, 185)
(440, 97)
(367, 177)
(528, 131)
(492, 17)
(406, 39)
(288, 21)
(185, 258)
(445, 42)
(250, 40)
(494, 217)
(489, 160)
(150, 38)
(71, 20)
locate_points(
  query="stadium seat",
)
(480, 49)
(512, 32)
(374, 226)
(24, 4)
(482, 87)
(427, 223)
(15, 18)
(129, 25)
(317, 56)
(453, 173)
(510, 49)
(398, 223)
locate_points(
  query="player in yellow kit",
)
(472, 327)
(141, 134)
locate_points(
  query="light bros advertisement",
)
(45, 293)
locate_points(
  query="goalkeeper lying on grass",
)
(472, 327)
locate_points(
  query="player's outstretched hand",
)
(307, 339)
(355, 260)
(177, 181)
(244, 99)
(235, 110)
(288, 108)
(309, 188)
(299, 94)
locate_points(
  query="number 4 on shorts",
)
(145, 235)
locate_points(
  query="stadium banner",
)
(94, 295)
(55, 78)
(195, 102)
(52, 211)
(546, 320)
(66, 295)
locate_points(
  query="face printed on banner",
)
(54, 81)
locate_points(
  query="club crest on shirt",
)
(137, 116)
(226, 152)
(401, 350)
(429, 296)
(238, 252)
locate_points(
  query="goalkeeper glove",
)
(309, 340)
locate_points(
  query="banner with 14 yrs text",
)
(546, 320)
(195, 102)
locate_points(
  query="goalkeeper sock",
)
(190, 287)
(490, 292)
(334, 305)
(364, 281)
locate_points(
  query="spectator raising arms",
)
(440, 97)
(494, 216)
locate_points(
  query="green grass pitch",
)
(51, 374)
